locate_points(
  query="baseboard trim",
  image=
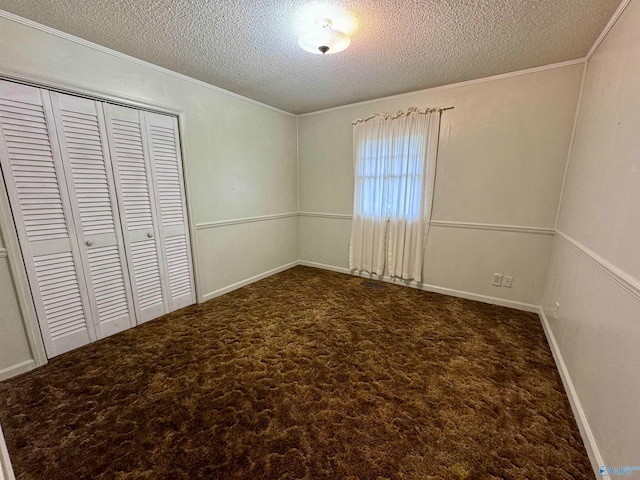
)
(581, 419)
(526, 307)
(17, 369)
(247, 281)
(6, 471)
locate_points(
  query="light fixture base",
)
(324, 39)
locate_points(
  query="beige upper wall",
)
(502, 155)
(601, 204)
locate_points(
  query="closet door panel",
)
(80, 127)
(162, 132)
(132, 171)
(33, 173)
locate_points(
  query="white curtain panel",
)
(395, 165)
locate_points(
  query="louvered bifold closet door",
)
(166, 166)
(85, 156)
(35, 181)
(139, 214)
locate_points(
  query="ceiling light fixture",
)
(323, 38)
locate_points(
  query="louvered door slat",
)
(127, 141)
(64, 311)
(32, 168)
(93, 223)
(85, 153)
(147, 273)
(162, 132)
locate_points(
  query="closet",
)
(96, 192)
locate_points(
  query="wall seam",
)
(571, 144)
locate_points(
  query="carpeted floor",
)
(306, 374)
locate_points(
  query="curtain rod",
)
(400, 113)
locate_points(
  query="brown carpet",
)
(306, 374)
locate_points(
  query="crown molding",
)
(612, 21)
(501, 76)
(129, 58)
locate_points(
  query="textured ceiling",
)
(250, 47)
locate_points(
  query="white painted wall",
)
(241, 161)
(503, 150)
(595, 274)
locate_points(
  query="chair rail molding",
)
(237, 221)
(337, 216)
(452, 224)
(622, 278)
(494, 227)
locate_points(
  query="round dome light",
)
(323, 39)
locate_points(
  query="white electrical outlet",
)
(507, 281)
(556, 311)
(497, 280)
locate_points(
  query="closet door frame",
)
(7, 225)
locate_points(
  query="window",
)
(394, 159)
(390, 177)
